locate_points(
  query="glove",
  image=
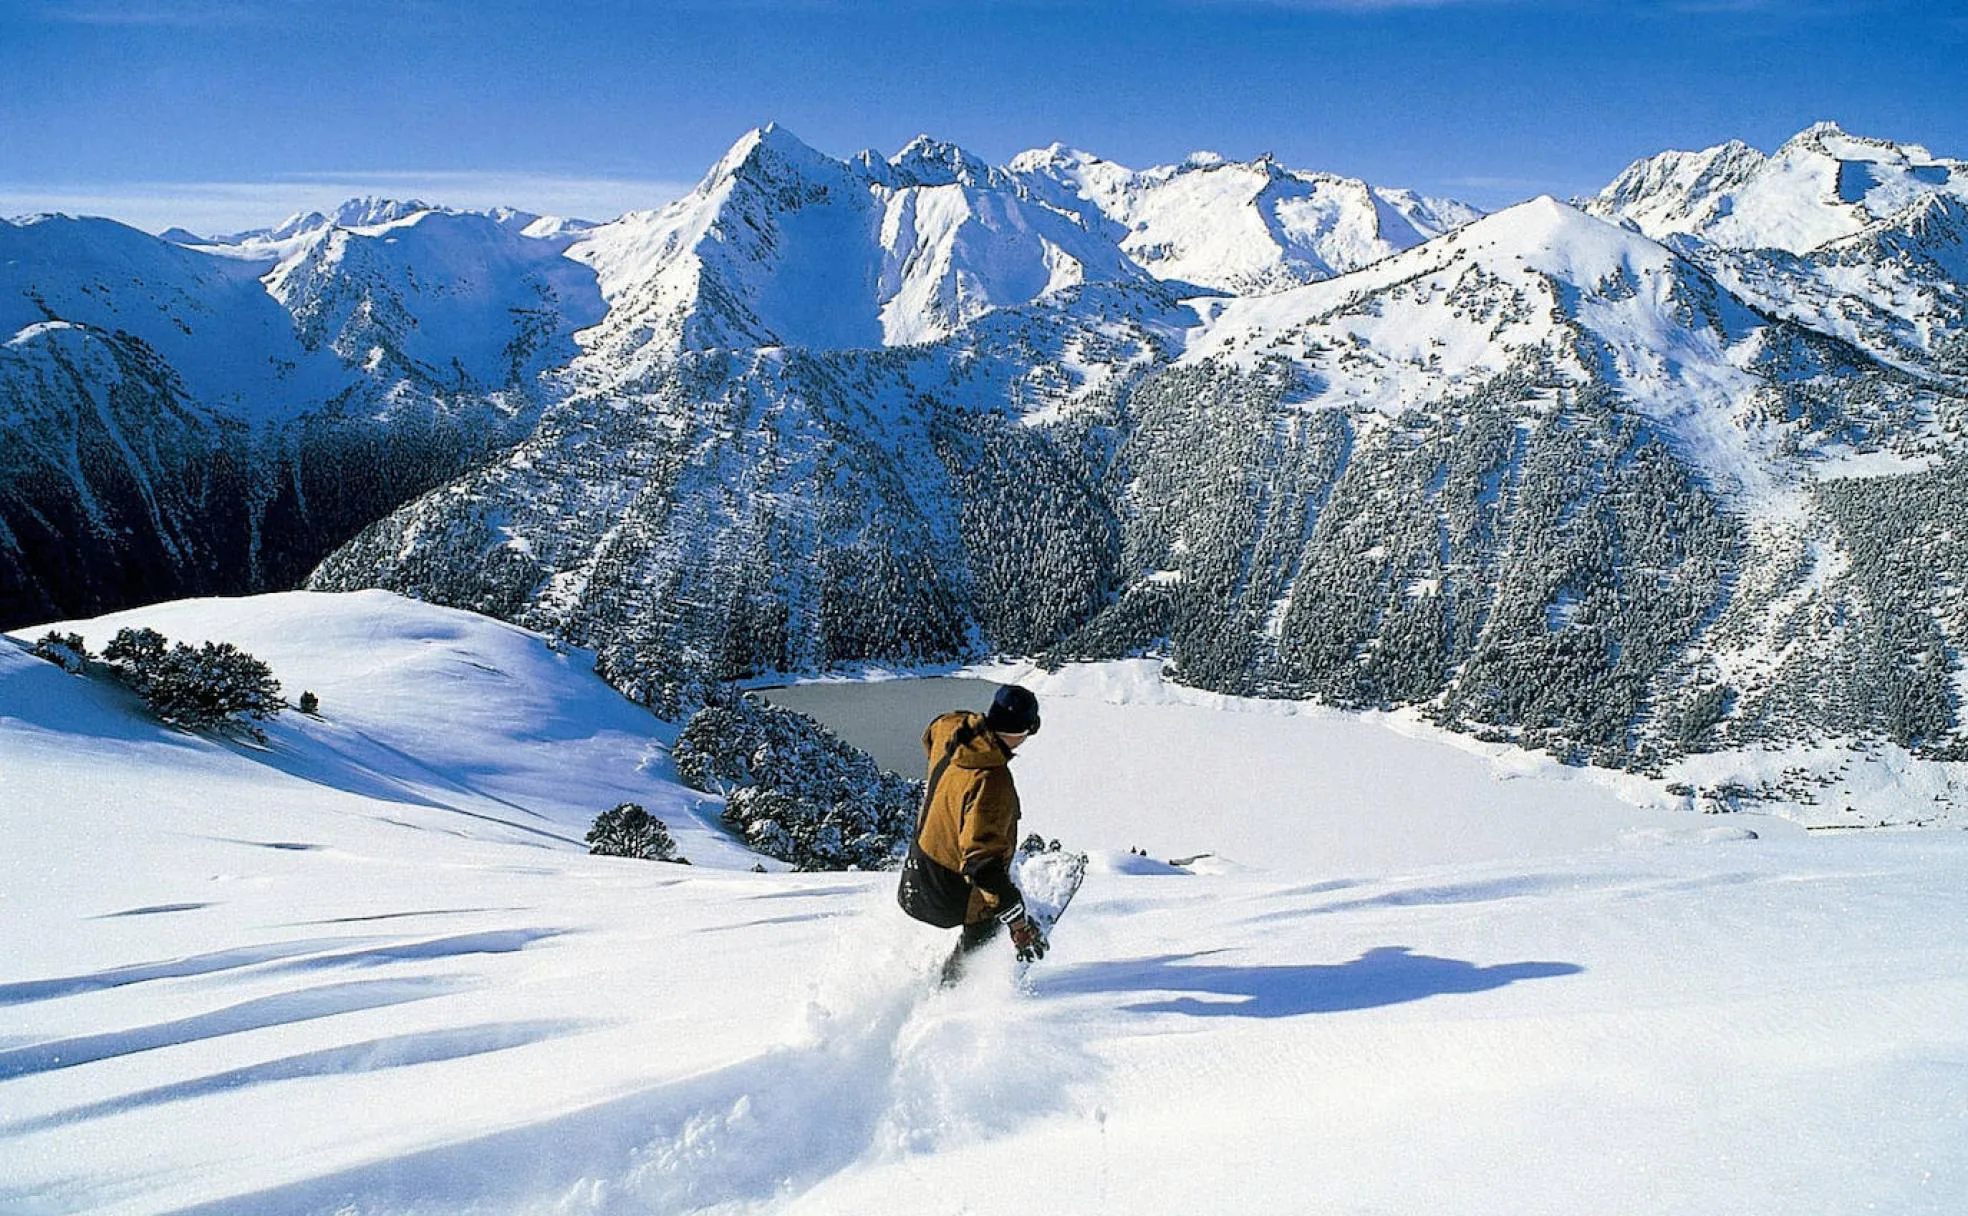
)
(1025, 936)
(1027, 940)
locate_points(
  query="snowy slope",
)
(232, 982)
(477, 727)
(1898, 287)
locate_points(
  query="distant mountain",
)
(366, 212)
(783, 246)
(1534, 474)
(184, 421)
(277, 242)
(456, 299)
(1240, 227)
(1675, 469)
(1821, 185)
(1856, 236)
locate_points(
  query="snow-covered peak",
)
(1652, 191)
(1539, 240)
(552, 227)
(1830, 139)
(1237, 226)
(769, 153)
(288, 239)
(1554, 238)
(279, 241)
(1263, 168)
(783, 246)
(930, 162)
(1074, 181)
(1037, 160)
(371, 212)
(1823, 184)
(365, 212)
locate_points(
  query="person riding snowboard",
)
(958, 871)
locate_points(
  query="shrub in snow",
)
(213, 684)
(794, 789)
(630, 831)
(67, 651)
(309, 702)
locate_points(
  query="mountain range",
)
(1667, 469)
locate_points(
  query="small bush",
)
(310, 703)
(214, 684)
(66, 651)
(630, 831)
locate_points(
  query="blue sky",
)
(225, 113)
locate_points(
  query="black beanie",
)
(1014, 711)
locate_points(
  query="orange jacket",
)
(959, 865)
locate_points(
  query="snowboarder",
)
(958, 871)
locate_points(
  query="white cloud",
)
(217, 207)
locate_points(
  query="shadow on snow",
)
(280, 1010)
(402, 1051)
(1390, 975)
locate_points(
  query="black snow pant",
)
(969, 942)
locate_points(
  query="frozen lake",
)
(1124, 761)
(884, 718)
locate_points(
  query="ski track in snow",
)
(882, 1066)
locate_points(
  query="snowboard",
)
(1048, 877)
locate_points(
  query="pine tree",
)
(631, 831)
(794, 789)
(213, 685)
(66, 651)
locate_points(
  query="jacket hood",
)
(977, 744)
